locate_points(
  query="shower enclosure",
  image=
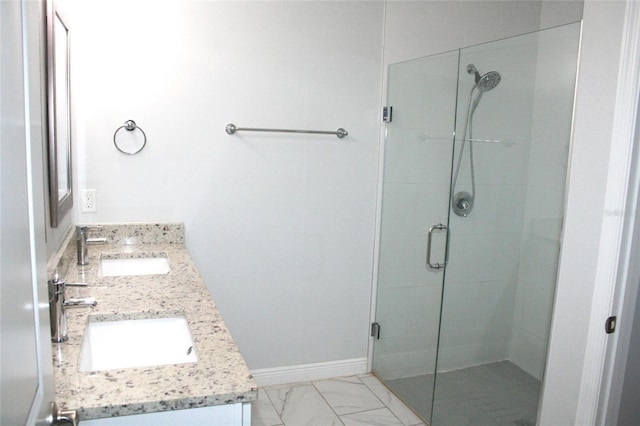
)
(475, 162)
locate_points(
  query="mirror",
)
(59, 116)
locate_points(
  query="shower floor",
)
(498, 393)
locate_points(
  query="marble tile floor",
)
(498, 393)
(345, 401)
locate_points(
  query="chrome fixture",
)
(58, 416)
(434, 266)
(486, 82)
(58, 305)
(232, 129)
(462, 202)
(129, 126)
(82, 241)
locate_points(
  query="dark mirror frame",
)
(59, 116)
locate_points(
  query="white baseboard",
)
(307, 372)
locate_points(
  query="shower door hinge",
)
(375, 330)
(610, 324)
(387, 114)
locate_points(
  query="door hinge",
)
(610, 324)
(375, 330)
(387, 114)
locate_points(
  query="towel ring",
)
(129, 148)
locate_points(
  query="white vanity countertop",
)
(220, 376)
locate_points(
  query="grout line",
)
(362, 411)
(313, 383)
(383, 403)
(401, 401)
(274, 407)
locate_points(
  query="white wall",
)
(420, 28)
(280, 226)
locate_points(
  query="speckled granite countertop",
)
(219, 377)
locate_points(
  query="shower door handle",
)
(434, 266)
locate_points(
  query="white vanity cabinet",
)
(238, 414)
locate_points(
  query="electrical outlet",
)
(89, 201)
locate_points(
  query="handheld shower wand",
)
(462, 202)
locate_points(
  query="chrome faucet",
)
(58, 303)
(82, 241)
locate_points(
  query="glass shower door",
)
(503, 256)
(475, 163)
(417, 168)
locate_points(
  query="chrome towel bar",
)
(232, 129)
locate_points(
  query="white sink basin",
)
(133, 266)
(136, 343)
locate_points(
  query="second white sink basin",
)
(133, 266)
(111, 345)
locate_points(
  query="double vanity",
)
(153, 349)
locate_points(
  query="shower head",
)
(489, 81)
(486, 82)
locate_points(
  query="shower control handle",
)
(434, 266)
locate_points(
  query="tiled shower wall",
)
(502, 260)
(481, 276)
(548, 162)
